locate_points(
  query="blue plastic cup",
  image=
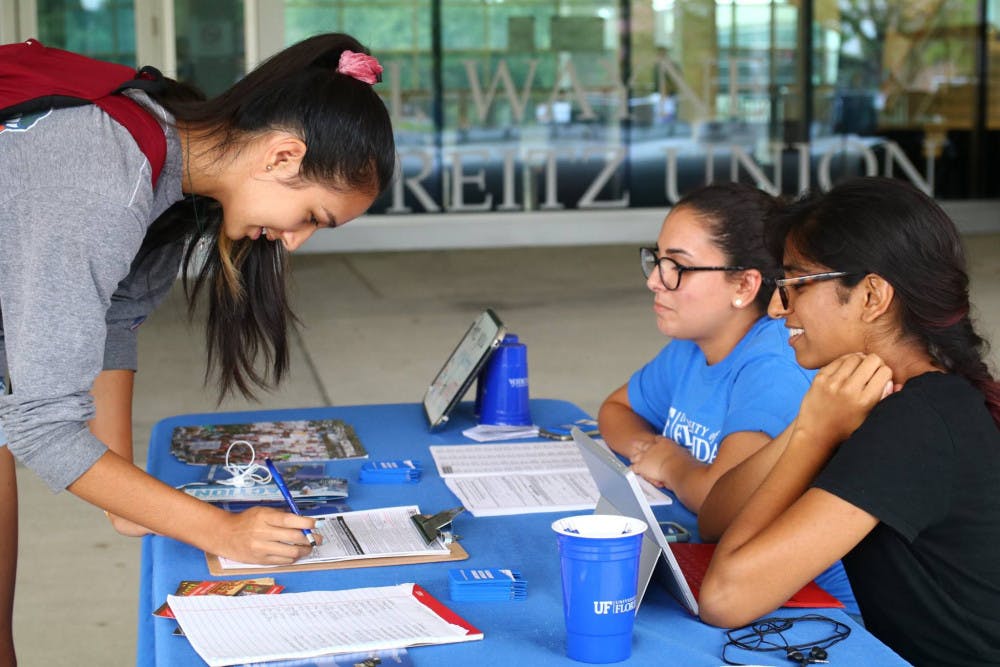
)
(503, 400)
(599, 555)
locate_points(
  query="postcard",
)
(286, 441)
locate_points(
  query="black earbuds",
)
(817, 654)
(768, 634)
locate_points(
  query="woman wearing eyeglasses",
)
(893, 462)
(728, 382)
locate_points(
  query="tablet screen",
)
(459, 371)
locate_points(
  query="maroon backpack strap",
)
(34, 77)
(145, 129)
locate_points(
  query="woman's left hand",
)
(842, 394)
(649, 464)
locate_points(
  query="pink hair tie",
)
(955, 318)
(361, 66)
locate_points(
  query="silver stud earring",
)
(738, 303)
(268, 167)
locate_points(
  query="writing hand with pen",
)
(265, 535)
(287, 495)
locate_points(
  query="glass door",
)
(102, 29)
(209, 43)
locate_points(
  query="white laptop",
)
(621, 494)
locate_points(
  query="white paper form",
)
(501, 495)
(523, 478)
(378, 533)
(527, 457)
(233, 630)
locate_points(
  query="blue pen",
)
(276, 476)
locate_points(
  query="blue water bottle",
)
(503, 400)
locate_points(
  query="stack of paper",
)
(234, 630)
(489, 433)
(522, 477)
(496, 584)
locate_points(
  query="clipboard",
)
(456, 552)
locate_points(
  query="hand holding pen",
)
(286, 494)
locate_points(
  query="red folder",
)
(693, 560)
(432, 603)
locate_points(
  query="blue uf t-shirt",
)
(757, 387)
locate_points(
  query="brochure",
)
(322, 489)
(302, 440)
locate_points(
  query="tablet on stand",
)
(462, 367)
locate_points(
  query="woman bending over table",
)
(90, 244)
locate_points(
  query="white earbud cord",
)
(247, 474)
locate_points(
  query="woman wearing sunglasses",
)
(728, 382)
(893, 462)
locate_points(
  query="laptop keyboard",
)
(693, 560)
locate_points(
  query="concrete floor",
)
(375, 329)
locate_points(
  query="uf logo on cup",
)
(614, 606)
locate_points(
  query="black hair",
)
(734, 215)
(888, 227)
(349, 146)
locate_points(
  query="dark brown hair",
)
(734, 215)
(346, 129)
(888, 227)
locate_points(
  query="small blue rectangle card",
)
(400, 471)
(487, 584)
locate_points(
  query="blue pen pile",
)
(497, 584)
(391, 472)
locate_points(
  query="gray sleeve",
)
(64, 253)
(121, 347)
(147, 283)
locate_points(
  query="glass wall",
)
(209, 43)
(906, 72)
(102, 29)
(519, 105)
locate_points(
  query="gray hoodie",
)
(75, 203)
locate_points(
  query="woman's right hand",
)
(842, 394)
(265, 536)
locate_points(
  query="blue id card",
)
(398, 471)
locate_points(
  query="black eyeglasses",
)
(671, 276)
(783, 283)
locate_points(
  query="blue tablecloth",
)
(529, 632)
